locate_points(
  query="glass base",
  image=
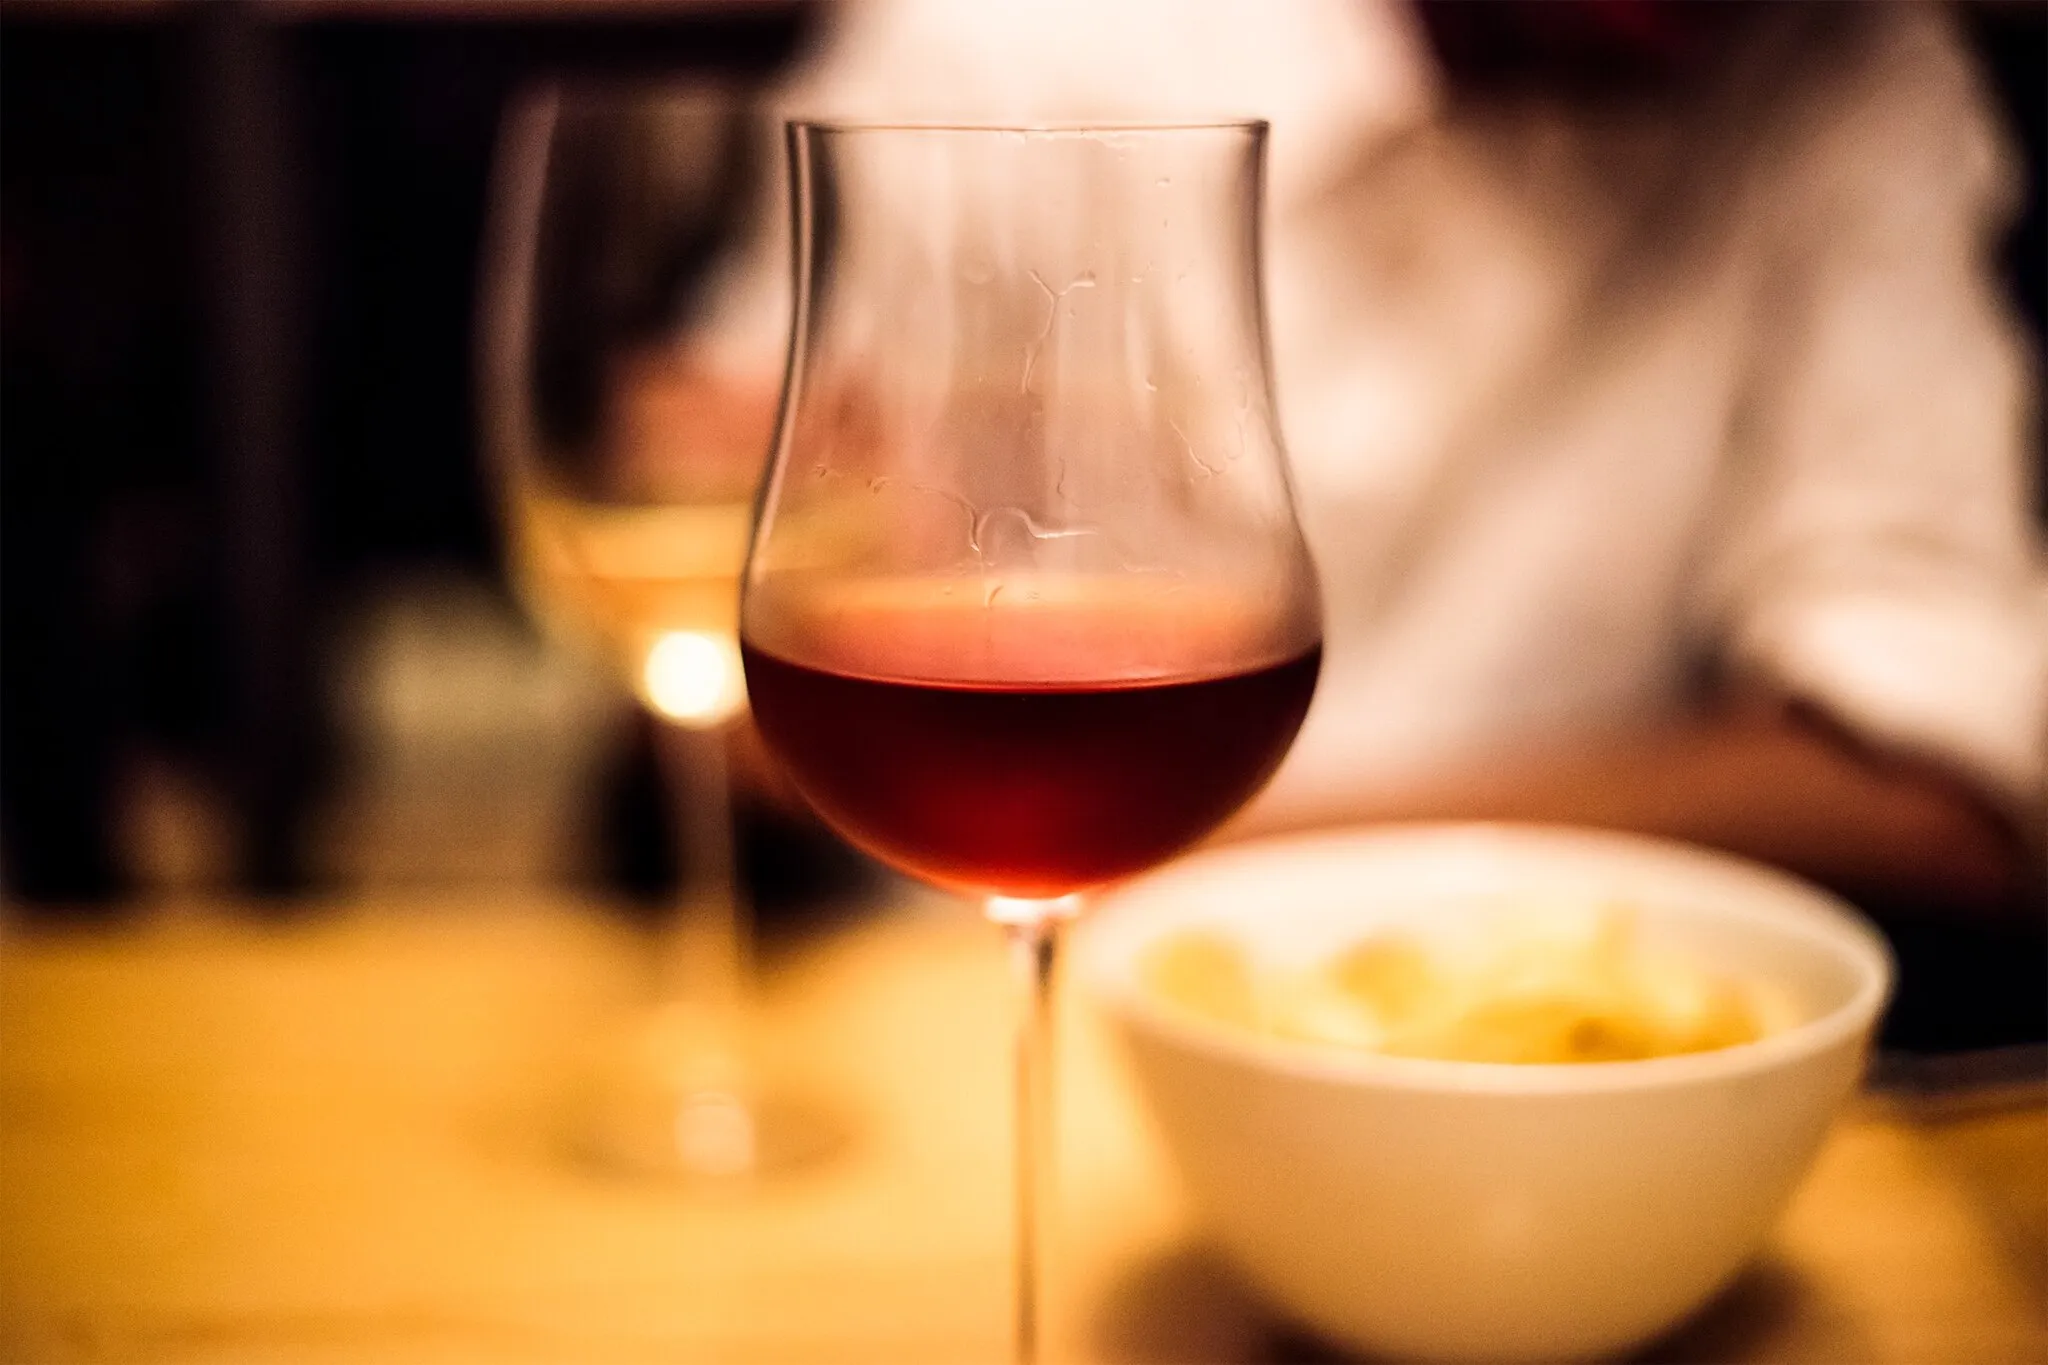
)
(671, 1105)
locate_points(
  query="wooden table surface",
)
(343, 1140)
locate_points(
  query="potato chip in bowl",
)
(1539, 990)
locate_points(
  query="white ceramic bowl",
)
(1472, 1211)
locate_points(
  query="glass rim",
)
(1049, 128)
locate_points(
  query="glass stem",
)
(1033, 931)
(704, 977)
(706, 955)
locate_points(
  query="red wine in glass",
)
(1031, 789)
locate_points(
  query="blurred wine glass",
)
(626, 496)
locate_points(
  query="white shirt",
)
(1580, 406)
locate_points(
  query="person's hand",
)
(1758, 776)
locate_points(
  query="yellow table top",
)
(342, 1141)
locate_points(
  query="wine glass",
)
(1027, 608)
(626, 491)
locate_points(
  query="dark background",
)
(238, 256)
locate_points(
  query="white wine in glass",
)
(654, 587)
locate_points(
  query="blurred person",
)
(1656, 425)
